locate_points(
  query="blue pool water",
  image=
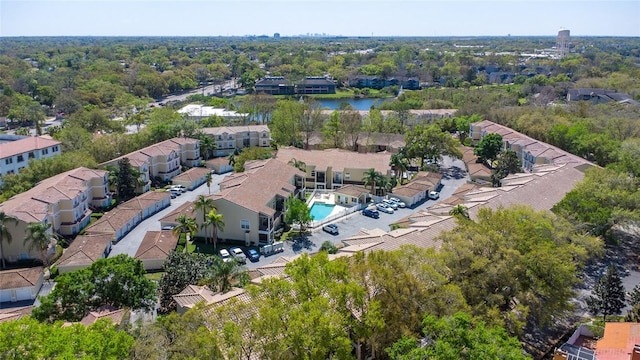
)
(320, 211)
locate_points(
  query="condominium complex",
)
(16, 151)
(231, 138)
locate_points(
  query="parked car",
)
(179, 188)
(371, 213)
(384, 208)
(331, 229)
(175, 191)
(390, 204)
(173, 194)
(224, 254)
(253, 255)
(434, 195)
(238, 254)
(398, 202)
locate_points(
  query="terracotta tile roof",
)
(33, 204)
(112, 221)
(188, 209)
(85, 249)
(192, 174)
(336, 159)
(157, 245)
(235, 129)
(618, 341)
(254, 188)
(218, 161)
(19, 278)
(145, 200)
(192, 295)
(103, 312)
(353, 190)
(15, 313)
(139, 157)
(25, 145)
(423, 181)
(535, 147)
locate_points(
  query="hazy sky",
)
(335, 17)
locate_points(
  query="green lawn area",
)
(154, 276)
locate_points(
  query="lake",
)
(358, 104)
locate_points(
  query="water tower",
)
(562, 43)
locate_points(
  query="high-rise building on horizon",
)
(562, 43)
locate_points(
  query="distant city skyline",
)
(331, 17)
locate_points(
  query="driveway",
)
(131, 242)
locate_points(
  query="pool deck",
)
(330, 200)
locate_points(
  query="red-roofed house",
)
(155, 248)
(20, 284)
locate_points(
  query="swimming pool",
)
(320, 211)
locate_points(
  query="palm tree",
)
(4, 232)
(460, 211)
(214, 220)
(301, 165)
(207, 145)
(203, 204)
(186, 225)
(224, 275)
(39, 238)
(400, 164)
(209, 181)
(369, 178)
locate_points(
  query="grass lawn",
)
(154, 276)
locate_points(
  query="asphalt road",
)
(131, 242)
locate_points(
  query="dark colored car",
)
(253, 255)
(371, 213)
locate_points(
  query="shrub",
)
(329, 247)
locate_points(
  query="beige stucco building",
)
(64, 201)
(162, 160)
(334, 168)
(231, 138)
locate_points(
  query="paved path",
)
(131, 242)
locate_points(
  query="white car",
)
(224, 254)
(390, 204)
(238, 254)
(434, 195)
(398, 202)
(384, 208)
(179, 188)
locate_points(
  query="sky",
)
(331, 17)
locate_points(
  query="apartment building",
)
(162, 160)
(532, 153)
(231, 138)
(334, 168)
(16, 151)
(65, 201)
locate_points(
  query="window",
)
(31, 155)
(264, 142)
(347, 176)
(244, 224)
(8, 161)
(354, 200)
(45, 151)
(313, 173)
(20, 158)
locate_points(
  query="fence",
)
(347, 211)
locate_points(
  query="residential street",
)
(131, 242)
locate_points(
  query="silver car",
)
(384, 208)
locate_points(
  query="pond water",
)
(358, 104)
